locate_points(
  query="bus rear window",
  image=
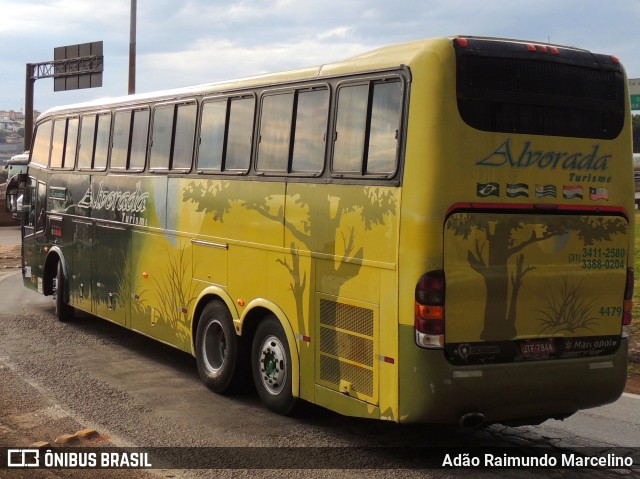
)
(503, 87)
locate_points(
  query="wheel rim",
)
(214, 346)
(273, 365)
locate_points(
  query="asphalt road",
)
(58, 378)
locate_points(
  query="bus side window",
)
(120, 146)
(42, 144)
(69, 159)
(350, 129)
(184, 137)
(139, 137)
(367, 128)
(161, 137)
(239, 130)
(275, 132)
(384, 127)
(212, 129)
(57, 147)
(310, 131)
(102, 142)
(87, 138)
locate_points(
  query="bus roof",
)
(386, 57)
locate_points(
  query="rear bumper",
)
(442, 393)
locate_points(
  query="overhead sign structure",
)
(634, 92)
(73, 67)
(77, 66)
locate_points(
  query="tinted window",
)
(310, 131)
(368, 128)
(120, 148)
(87, 137)
(139, 136)
(275, 132)
(184, 135)
(238, 148)
(212, 129)
(102, 142)
(573, 93)
(350, 128)
(42, 144)
(385, 121)
(161, 137)
(57, 147)
(71, 143)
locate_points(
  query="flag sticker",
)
(598, 193)
(542, 191)
(488, 189)
(517, 189)
(572, 192)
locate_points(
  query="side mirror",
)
(11, 205)
(14, 184)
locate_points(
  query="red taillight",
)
(463, 42)
(542, 49)
(628, 304)
(429, 310)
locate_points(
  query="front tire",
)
(271, 364)
(64, 312)
(218, 352)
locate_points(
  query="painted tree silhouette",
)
(371, 203)
(490, 256)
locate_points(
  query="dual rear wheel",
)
(223, 361)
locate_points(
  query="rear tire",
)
(64, 312)
(271, 364)
(218, 349)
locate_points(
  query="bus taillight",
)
(628, 304)
(429, 310)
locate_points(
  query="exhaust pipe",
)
(471, 420)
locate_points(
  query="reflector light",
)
(530, 47)
(463, 42)
(554, 50)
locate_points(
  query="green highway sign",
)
(634, 92)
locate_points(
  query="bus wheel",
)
(64, 312)
(271, 364)
(217, 348)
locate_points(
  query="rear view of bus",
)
(528, 314)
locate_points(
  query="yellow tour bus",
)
(439, 231)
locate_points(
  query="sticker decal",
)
(598, 193)
(488, 189)
(572, 192)
(542, 191)
(517, 189)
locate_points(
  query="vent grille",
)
(333, 370)
(347, 348)
(347, 317)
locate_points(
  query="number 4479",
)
(611, 311)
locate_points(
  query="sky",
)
(200, 41)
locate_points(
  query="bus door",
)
(34, 214)
(111, 297)
(80, 281)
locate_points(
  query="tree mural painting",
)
(501, 238)
(319, 214)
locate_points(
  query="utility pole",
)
(132, 48)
